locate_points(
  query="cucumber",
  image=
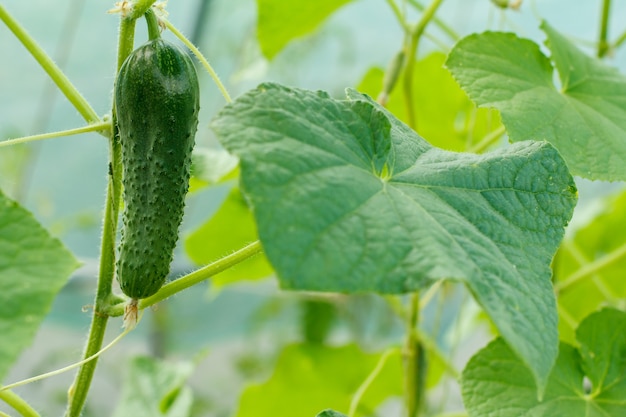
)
(156, 102)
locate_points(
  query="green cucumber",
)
(156, 103)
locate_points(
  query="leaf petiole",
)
(104, 126)
(18, 404)
(193, 278)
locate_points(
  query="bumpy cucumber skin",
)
(157, 103)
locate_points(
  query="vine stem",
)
(356, 399)
(411, 43)
(77, 394)
(66, 368)
(488, 140)
(193, 278)
(591, 268)
(59, 78)
(201, 58)
(414, 375)
(104, 126)
(603, 44)
(18, 404)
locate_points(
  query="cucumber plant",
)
(395, 197)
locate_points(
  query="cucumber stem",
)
(77, 394)
(154, 32)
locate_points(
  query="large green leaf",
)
(584, 118)
(33, 268)
(309, 378)
(229, 229)
(446, 116)
(155, 388)
(349, 199)
(580, 292)
(281, 21)
(496, 383)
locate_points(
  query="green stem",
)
(140, 7)
(399, 15)
(411, 45)
(591, 268)
(18, 404)
(440, 23)
(489, 139)
(193, 278)
(603, 44)
(104, 295)
(154, 32)
(200, 57)
(356, 399)
(59, 78)
(104, 126)
(619, 41)
(414, 375)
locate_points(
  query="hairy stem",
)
(59, 78)
(193, 278)
(154, 32)
(603, 44)
(201, 58)
(18, 404)
(104, 126)
(104, 295)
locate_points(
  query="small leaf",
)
(279, 21)
(328, 220)
(33, 268)
(154, 388)
(585, 119)
(229, 229)
(306, 380)
(585, 382)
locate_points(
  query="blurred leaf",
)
(588, 244)
(445, 115)
(309, 378)
(12, 160)
(155, 388)
(211, 166)
(229, 229)
(281, 21)
(496, 383)
(34, 266)
(317, 319)
(584, 118)
(349, 199)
